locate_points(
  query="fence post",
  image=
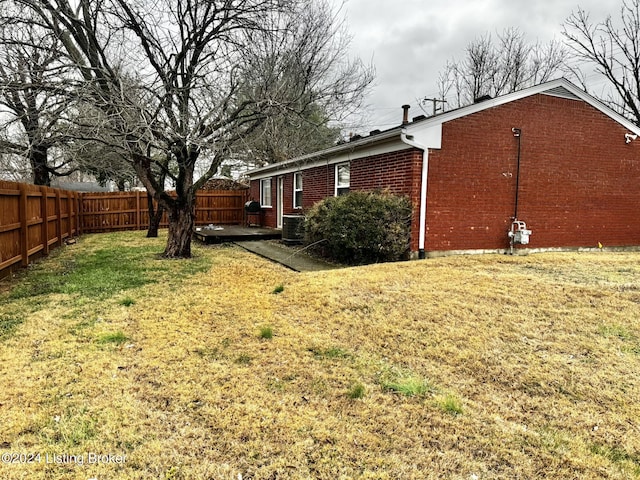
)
(68, 198)
(59, 217)
(24, 232)
(44, 213)
(79, 214)
(138, 212)
(73, 226)
(78, 201)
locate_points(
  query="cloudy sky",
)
(410, 41)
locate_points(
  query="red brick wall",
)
(392, 171)
(254, 190)
(578, 179)
(317, 183)
(398, 172)
(268, 217)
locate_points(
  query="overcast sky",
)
(410, 41)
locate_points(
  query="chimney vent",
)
(483, 98)
(405, 114)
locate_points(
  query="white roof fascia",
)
(426, 133)
(321, 156)
(297, 165)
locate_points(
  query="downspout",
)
(423, 190)
(517, 133)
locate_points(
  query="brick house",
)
(550, 156)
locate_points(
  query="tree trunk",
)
(181, 222)
(38, 158)
(155, 217)
(181, 207)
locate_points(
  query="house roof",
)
(560, 88)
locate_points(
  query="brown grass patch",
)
(462, 367)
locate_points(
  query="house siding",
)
(578, 178)
(578, 182)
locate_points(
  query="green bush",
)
(360, 227)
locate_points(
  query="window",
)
(265, 192)
(343, 178)
(297, 190)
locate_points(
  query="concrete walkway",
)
(287, 256)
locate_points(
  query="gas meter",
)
(519, 233)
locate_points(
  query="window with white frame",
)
(265, 192)
(343, 178)
(297, 190)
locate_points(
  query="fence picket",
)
(45, 220)
(117, 211)
(24, 226)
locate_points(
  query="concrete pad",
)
(289, 257)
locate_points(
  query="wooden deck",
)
(235, 233)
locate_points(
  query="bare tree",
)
(95, 148)
(31, 73)
(209, 73)
(102, 162)
(13, 168)
(492, 69)
(287, 136)
(614, 51)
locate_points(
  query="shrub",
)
(360, 227)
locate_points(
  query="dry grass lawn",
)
(487, 367)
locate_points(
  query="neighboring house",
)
(551, 156)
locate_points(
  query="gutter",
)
(345, 147)
(408, 139)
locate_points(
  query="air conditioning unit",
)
(292, 228)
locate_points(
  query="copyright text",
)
(89, 458)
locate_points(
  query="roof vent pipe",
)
(405, 114)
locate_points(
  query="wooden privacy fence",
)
(116, 211)
(33, 220)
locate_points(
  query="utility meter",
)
(519, 232)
